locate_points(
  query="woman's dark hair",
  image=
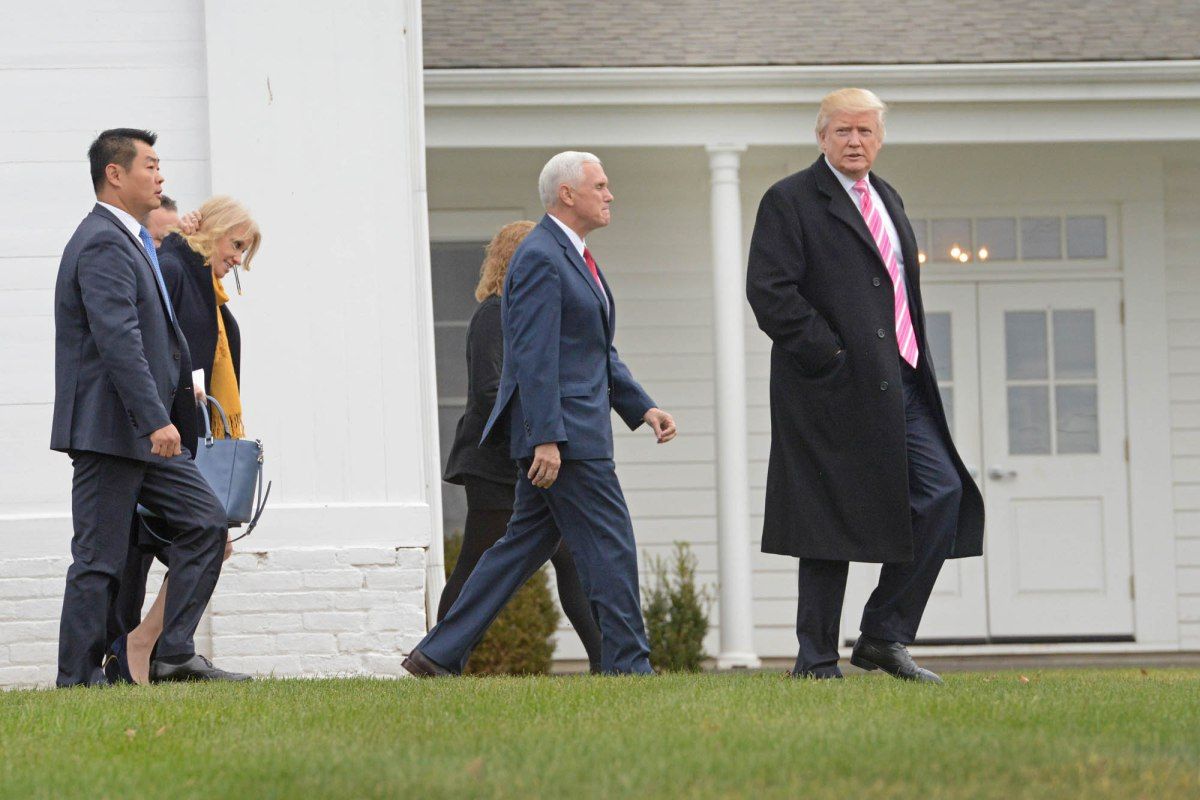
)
(116, 146)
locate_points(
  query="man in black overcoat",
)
(862, 464)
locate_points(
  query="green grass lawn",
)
(1058, 734)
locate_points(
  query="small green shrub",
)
(519, 641)
(676, 612)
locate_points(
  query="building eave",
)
(899, 83)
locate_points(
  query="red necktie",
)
(591, 262)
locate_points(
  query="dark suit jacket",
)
(485, 362)
(122, 370)
(837, 481)
(562, 376)
(189, 283)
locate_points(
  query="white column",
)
(733, 502)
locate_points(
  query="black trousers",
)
(489, 507)
(125, 612)
(895, 608)
(104, 495)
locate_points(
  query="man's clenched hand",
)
(544, 469)
(165, 442)
(662, 423)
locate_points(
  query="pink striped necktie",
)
(906, 337)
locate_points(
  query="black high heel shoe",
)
(116, 662)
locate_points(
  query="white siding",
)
(1183, 304)
(67, 73)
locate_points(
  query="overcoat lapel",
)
(908, 245)
(843, 208)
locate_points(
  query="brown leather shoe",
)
(420, 665)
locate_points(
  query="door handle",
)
(1001, 473)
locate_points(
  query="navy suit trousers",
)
(585, 507)
(104, 495)
(895, 608)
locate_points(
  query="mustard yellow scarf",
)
(224, 379)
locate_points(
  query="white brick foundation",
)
(287, 612)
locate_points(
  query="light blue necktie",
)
(148, 243)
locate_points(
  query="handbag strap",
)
(258, 511)
(208, 437)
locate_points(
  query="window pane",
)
(1028, 420)
(947, 393)
(455, 268)
(1078, 426)
(1041, 237)
(920, 228)
(450, 354)
(1025, 345)
(937, 330)
(1074, 344)
(949, 236)
(454, 498)
(1086, 237)
(996, 239)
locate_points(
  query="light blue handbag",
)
(233, 468)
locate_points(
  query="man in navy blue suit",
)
(561, 377)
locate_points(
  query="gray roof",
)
(589, 33)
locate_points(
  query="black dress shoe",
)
(420, 665)
(891, 657)
(197, 668)
(818, 673)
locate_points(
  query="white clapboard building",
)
(1047, 153)
(1048, 156)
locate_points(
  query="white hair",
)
(566, 167)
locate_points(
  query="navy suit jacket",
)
(122, 369)
(562, 374)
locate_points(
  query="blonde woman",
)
(488, 473)
(193, 265)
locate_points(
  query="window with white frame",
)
(1072, 239)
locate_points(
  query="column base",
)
(727, 661)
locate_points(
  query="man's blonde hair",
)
(850, 101)
(496, 256)
(218, 216)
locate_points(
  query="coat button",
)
(881, 333)
(175, 356)
(875, 281)
(883, 386)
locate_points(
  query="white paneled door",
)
(1031, 375)
(1052, 377)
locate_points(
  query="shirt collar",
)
(846, 181)
(580, 245)
(126, 219)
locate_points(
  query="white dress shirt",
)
(580, 245)
(888, 226)
(126, 219)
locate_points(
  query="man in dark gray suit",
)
(122, 397)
